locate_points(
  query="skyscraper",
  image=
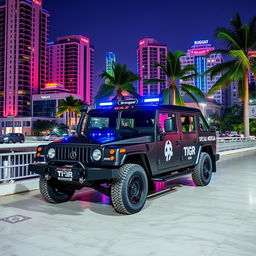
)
(149, 52)
(71, 64)
(110, 60)
(23, 58)
(197, 56)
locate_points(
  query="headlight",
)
(96, 155)
(51, 153)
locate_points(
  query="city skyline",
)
(117, 26)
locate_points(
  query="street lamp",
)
(203, 105)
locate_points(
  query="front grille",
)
(73, 154)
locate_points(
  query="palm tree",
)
(118, 84)
(175, 74)
(240, 40)
(70, 105)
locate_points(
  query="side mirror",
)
(168, 125)
(84, 108)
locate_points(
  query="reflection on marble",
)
(178, 219)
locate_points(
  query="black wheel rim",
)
(135, 189)
(206, 169)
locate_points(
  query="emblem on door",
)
(168, 151)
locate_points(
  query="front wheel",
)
(129, 192)
(53, 191)
(203, 171)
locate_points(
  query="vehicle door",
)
(168, 141)
(189, 138)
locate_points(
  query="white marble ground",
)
(217, 220)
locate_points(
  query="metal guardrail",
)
(40, 138)
(233, 143)
(14, 166)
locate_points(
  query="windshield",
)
(132, 120)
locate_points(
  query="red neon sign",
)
(38, 2)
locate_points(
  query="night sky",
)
(118, 25)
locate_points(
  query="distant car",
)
(51, 136)
(234, 134)
(13, 138)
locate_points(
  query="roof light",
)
(106, 104)
(152, 100)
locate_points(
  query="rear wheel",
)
(203, 171)
(21, 141)
(53, 191)
(10, 141)
(129, 192)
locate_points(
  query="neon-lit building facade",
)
(71, 65)
(110, 60)
(196, 56)
(23, 57)
(149, 52)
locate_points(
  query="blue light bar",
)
(152, 100)
(105, 104)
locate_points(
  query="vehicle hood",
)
(106, 141)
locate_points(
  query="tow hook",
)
(47, 176)
(81, 180)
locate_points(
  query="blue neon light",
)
(152, 100)
(50, 43)
(102, 104)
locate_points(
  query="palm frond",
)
(241, 57)
(193, 90)
(226, 34)
(166, 96)
(178, 98)
(189, 94)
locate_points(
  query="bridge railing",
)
(14, 166)
(233, 143)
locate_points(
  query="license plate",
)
(64, 174)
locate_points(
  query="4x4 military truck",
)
(122, 148)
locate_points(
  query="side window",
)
(188, 123)
(203, 125)
(167, 122)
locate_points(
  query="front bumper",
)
(89, 174)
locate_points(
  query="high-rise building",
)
(150, 52)
(71, 65)
(23, 58)
(197, 56)
(110, 60)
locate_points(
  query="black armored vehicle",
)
(122, 148)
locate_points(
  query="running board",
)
(170, 177)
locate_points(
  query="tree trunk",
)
(69, 122)
(246, 105)
(173, 85)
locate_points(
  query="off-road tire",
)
(121, 189)
(199, 175)
(52, 191)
